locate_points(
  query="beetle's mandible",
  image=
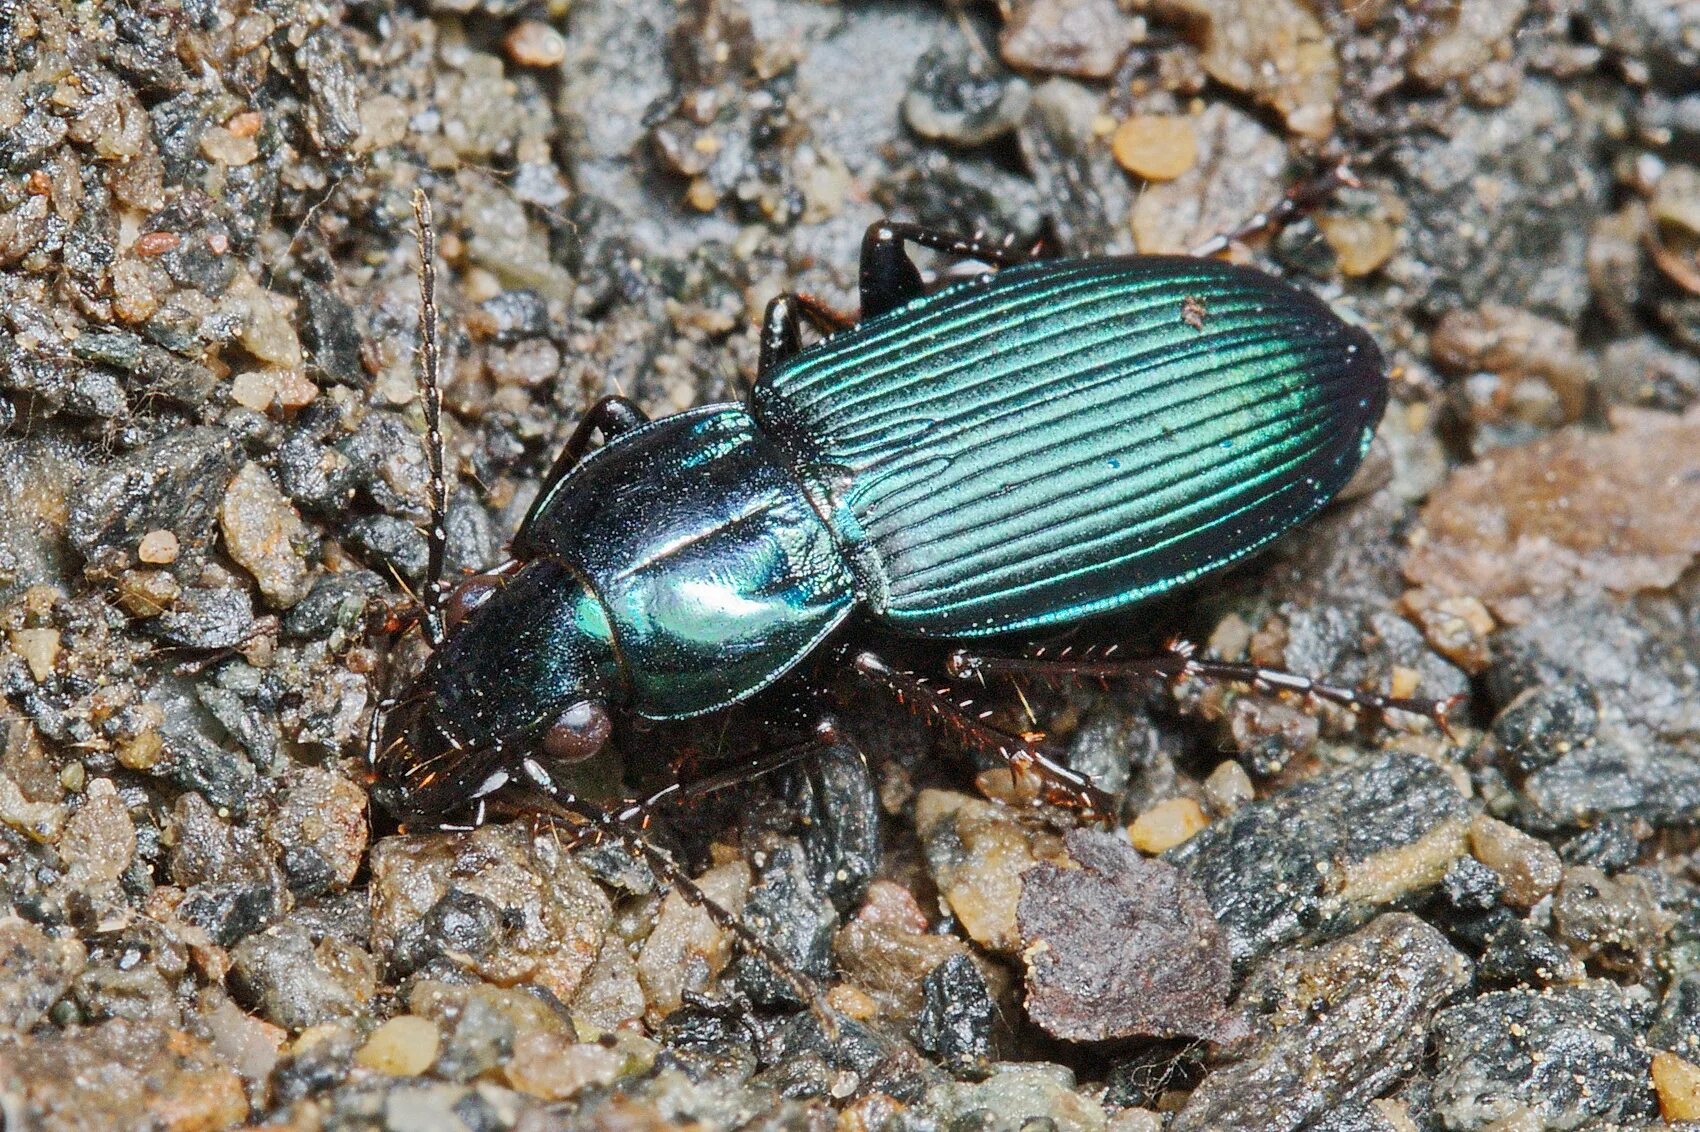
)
(1013, 452)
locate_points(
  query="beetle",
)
(1011, 453)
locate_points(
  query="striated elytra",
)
(1013, 452)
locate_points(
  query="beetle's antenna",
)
(431, 392)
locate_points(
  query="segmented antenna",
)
(431, 393)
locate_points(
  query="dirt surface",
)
(213, 490)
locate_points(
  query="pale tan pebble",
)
(405, 1046)
(1169, 823)
(1157, 147)
(157, 548)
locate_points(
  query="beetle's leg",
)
(580, 812)
(1300, 200)
(1181, 660)
(610, 416)
(781, 328)
(431, 394)
(889, 278)
(639, 811)
(1061, 784)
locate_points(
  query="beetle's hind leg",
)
(1296, 203)
(1181, 660)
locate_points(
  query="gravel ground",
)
(212, 488)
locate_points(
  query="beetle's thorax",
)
(714, 570)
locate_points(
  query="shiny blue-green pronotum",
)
(1013, 452)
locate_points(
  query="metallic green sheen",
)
(544, 632)
(715, 571)
(1068, 438)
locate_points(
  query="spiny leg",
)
(611, 416)
(1299, 201)
(641, 810)
(889, 278)
(566, 805)
(781, 328)
(1064, 786)
(1181, 660)
(431, 393)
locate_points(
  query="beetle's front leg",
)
(889, 278)
(610, 416)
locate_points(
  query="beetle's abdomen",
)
(1067, 438)
(716, 571)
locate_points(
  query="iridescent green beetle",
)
(1013, 452)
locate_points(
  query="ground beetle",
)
(1010, 453)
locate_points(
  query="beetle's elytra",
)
(1015, 451)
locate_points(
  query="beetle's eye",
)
(578, 733)
(468, 596)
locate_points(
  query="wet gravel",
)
(212, 493)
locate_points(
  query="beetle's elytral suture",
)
(1060, 784)
(1181, 660)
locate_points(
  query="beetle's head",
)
(522, 682)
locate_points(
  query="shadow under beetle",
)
(1013, 452)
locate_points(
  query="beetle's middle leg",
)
(1026, 757)
(889, 278)
(781, 326)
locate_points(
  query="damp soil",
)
(213, 491)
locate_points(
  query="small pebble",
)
(1167, 824)
(253, 390)
(1229, 787)
(1677, 1083)
(1157, 147)
(39, 648)
(157, 548)
(157, 243)
(533, 43)
(550, 1066)
(1361, 243)
(260, 531)
(404, 1046)
(1527, 867)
